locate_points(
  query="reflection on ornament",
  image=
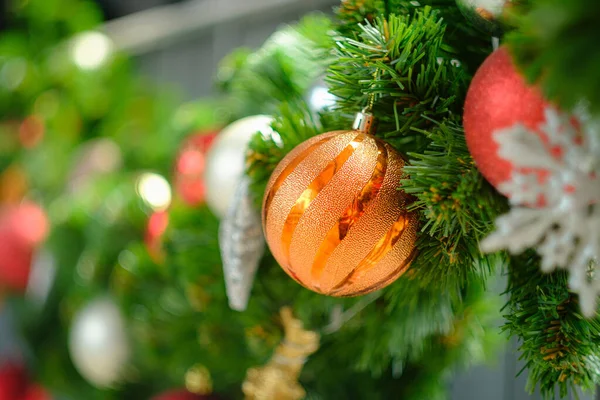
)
(154, 190)
(333, 215)
(98, 343)
(41, 277)
(242, 246)
(279, 378)
(90, 50)
(225, 161)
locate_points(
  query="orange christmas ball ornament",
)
(334, 217)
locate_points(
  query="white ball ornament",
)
(226, 159)
(98, 343)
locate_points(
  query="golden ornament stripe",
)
(388, 279)
(352, 214)
(381, 248)
(284, 175)
(312, 191)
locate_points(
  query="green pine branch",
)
(418, 100)
(559, 345)
(350, 13)
(471, 338)
(457, 209)
(402, 66)
(405, 325)
(556, 45)
(468, 45)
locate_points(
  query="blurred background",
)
(178, 45)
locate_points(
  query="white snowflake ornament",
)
(556, 211)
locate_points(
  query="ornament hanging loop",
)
(365, 122)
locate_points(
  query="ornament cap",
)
(365, 122)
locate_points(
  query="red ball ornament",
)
(29, 223)
(189, 168)
(22, 228)
(15, 262)
(183, 394)
(36, 392)
(15, 384)
(13, 381)
(499, 98)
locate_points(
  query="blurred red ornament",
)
(31, 131)
(157, 225)
(15, 384)
(499, 98)
(183, 394)
(189, 168)
(22, 228)
(29, 223)
(13, 381)
(15, 262)
(36, 392)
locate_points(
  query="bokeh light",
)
(154, 190)
(320, 98)
(13, 73)
(90, 50)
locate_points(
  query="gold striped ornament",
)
(334, 217)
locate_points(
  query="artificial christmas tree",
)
(430, 310)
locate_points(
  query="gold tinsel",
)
(278, 379)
